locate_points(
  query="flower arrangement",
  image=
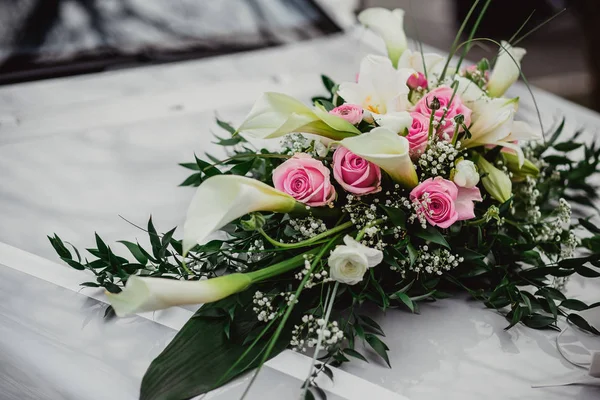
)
(410, 184)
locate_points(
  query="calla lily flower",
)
(506, 70)
(390, 26)
(387, 150)
(495, 182)
(380, 90)
(142, 294)
(222, 198)
(276, 114)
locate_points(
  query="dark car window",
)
(48, 38)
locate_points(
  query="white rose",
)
(348, 263)
(465, 174)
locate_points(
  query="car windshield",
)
(49, 38)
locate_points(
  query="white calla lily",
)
(276, 114)
(380, 90)
(506, 70)
(390, 26)
(222, 198)
(143, 294)
(387, 150)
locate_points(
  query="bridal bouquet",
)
(409, 184)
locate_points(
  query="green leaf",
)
(154, 239)
(379, 347)
(403, 297)
(581, 323)
(134, 249)
(355, 354)
(328, 83)
(589, 226)
(567, 146)
(538, 321)
(73, 263)
(372, 324)
(59, 247)
(587, 272)
(226, 126)
(573, 304)
(412, 253)
(192, 166)
(396, 215)
(200, 354)
(433, 235)
(557, 160)
(102, 247)
(242, 168)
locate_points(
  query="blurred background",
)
(42, 39)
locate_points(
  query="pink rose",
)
(418, 133)
(443, 203)
(416, 81)
(305, 179)
(444, 94)
(354, 173)
(350, 112)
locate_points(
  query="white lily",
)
(222, 198)
(381, 89)
(142, 294)
(390, 26)
(387, 150)
(493, 123)
(432, 67)
(276, 114)
(506, 70)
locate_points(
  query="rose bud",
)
(417, 81)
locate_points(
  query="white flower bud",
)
(465, 174)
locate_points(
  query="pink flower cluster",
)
(308, 181)
(419, 130)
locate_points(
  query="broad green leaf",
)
(200, 354)
(403, 297)
(355, 354)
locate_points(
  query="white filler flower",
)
(349, 262)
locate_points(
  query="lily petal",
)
(222, 198)
(276, 114)
(507, 69)
(396, 122)
(387, 150)
(142, 294)
(390, 26)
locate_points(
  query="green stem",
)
(307, 242)
(472, 34)
(279, 268)
(369, 225)
(456, 39)
(288, 312)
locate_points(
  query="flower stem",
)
(288, 312)
(279, 268)
(364, 230)
(307, 242)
